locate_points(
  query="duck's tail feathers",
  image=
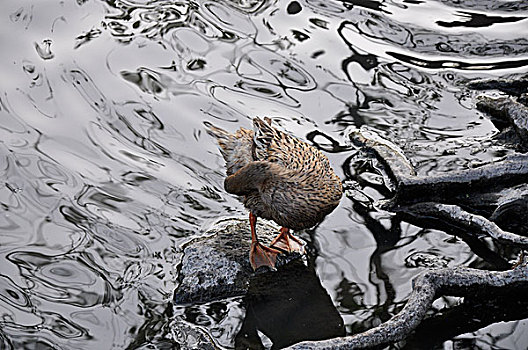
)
(235, 148)
(224, 138)
(215, 131)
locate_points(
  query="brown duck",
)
(279, 178)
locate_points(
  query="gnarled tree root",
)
(513, 87)
(392, 157)
(416, 196)
(427, 287)
(506, 111)
(510, 171)
(471, 223)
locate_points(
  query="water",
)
(106, 169)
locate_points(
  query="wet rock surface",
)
(266, 308)
(217, 266)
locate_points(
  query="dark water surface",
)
(106, 170)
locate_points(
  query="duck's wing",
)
(271, 144)
(235, 148)
(279, 147)
(263, 135)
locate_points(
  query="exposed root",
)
(425, 197)
(427, 287)
(397, 165)
(471, 223)
(508, 172)
(506, 111)
(514, 87)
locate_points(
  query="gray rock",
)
(217, 266)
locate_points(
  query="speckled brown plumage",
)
(278, 176)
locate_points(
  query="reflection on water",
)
(105, 169)
(288, 307)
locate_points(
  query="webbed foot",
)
(261, 255)
(287, 242)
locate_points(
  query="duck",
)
(277, 177)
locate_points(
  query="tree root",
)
(437, 199)
(425, 198)
(510, 171)
(427, 287)
(475, 224)
(513, 87)
(506, 112)
(447, 188)
(392, 157)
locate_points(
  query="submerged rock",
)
(188, 336)
(217, 266)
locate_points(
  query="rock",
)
(279, 307)
(217, 266)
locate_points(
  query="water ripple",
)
(119, 241)
(106, 168)
(23, 15)
(67, 280)
(11, 294)
(156, 20)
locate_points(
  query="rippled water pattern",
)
(106, 170)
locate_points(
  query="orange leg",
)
(260, 255)
(287, 242)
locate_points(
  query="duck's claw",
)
(287, 242)
(260, 255)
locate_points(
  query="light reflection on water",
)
(106, 169)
